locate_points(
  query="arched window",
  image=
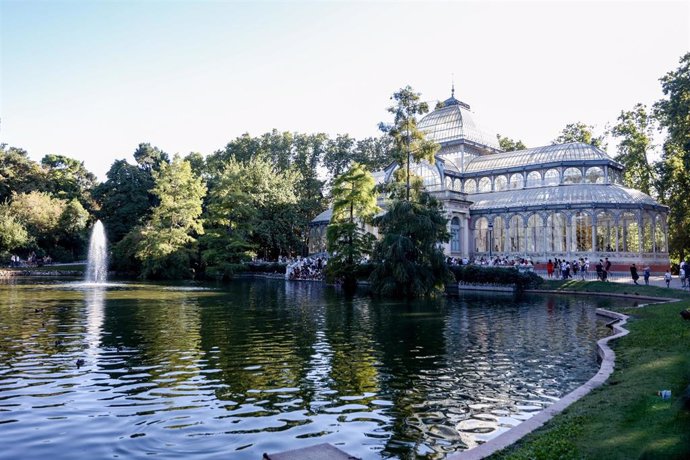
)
(481, 235)
(582, 232)
(455, 235)
(595, 175)
(500, 183)
(470, 186)
(660, 234)
(429, 174)
(516, 234)
(629, 240)
(534, 235)
(449, 183)
(499, 234)
(556, 233)
(647, 233)
(551, 177)
(572, 176)
(516, 181)
(484, 185)
(606, 232)
(534, 179)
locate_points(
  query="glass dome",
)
(454, 122)
(575, 151)
(564, 196)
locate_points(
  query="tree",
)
(408, 261)
(67, 178)
(167, 240)
(13, 235)
(372, 152)
(507, 144)
(409, 142)
(251, 207)
(125, 199)
(635, 130)
(579, 132)
(354, 202)
(673, 114)
(150, 158)
(19, 173)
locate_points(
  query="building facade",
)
(558, 201)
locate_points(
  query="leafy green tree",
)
(579, 132)
(409, 143)
(408, 260)
(354, 203)
(150, 158)
(508, 145)
(67, 178)
(251, 207)
(168, 238)
(634, 128)
(72, 229)
(673, 114)
(125, 199)
(19, 173)
(13, 235)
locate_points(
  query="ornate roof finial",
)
(452, 85)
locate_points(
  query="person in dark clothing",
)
(633, 273)
(607, 269)
(600, 270)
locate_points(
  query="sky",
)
(93, 79)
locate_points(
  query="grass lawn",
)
(625, 418)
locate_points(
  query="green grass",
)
(625, 418)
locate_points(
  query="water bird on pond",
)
(80, 363)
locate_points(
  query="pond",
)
(134, 370)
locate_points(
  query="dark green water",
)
(266, 366)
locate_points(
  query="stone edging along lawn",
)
(608, 358)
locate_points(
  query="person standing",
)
(681, 275)
(549, 269)
(607, 269)
(667, 278)
(646, 273)
(633, 273)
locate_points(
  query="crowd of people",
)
(307, 268)
(31, 261)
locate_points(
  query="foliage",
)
(476, 274)
(68, 179)
(270, 267)
(150, 158)
(579, 132)
(354, 203)
(18, 173)
(635, 130)
(341, 152)
(125, 199)
(673, 114)
(408, 261)
(252, 204)
(165, 249)
(409, 143)
(13, 235)
(508, 145)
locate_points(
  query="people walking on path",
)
(646, 273)
(607, 269)
(667, 278)
(633, 273)
(681, 275)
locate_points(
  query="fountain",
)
(97, 266)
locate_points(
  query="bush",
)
(508, 276)
(266, 267)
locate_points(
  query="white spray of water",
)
(97, 266)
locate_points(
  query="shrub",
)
(508, 276)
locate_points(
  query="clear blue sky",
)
(93, 79)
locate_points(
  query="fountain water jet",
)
(97, 266)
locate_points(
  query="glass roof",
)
(575, 151)
(455, 122)
(591, 195)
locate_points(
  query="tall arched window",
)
(516, 234)
(470, 186)
(582, 232)
(455, 235)
(660, 234)
(499, 234)
(556, 233)
(516, 181)
(534, 235)
(481, 235)
(449, 183)
(606, 232)
(647, 233)
(500, 183)
(534, 179)
(484, 185)
(551, 177)
(572, 176)
(629, 240)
